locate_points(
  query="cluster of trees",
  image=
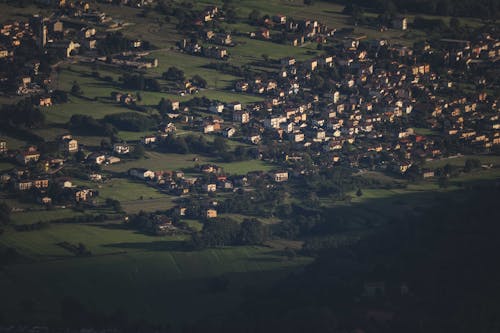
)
(174, 74)
(116, 42)
(139, 82)
(194, 144)
(130, 121)
(227, 232)
(4, 213)
(262, 202)
(21, 114)
(88, 125)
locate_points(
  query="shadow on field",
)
(173, 245)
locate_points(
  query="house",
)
(287, 61)
(97, 158)
(210, 213)
(280, 19)
(234, 106)
(41, 183)
(181, 211)
(253, 138)
(209, 187)
(28, 156)
(96, 177)
(3, 146)
(121, 148)
(69, 145)
(174, 105)
(400, 23)
(149, 139)
(428, 174)
(84, 194)
(141, 173)
(45, 101)
(112, 160)
(23, 185)
(217, 108)
(228, 132)
(274, 122)
(280, 176)
(45, 200)
(64, 183)
(241, 117)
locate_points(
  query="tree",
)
(4, 213)
(443, 182)
(199, 81)
(472, 164)
(252, 232)
(173, 74)
(220, 145)
(254, 15)
(138, 152)
(76, 89)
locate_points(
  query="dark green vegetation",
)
(474, 8)
(434, 272)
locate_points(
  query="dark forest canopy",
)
(487, 9)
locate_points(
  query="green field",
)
(170, 161)
(147, 277)
(460, 161)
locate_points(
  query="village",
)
(218, 128)
(367, 105)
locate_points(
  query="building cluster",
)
(281, 29)
(368, 118)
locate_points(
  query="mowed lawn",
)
(146, 277)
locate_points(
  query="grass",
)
(460, 161)
(133, 195)
(6, 166)
(28, 217)
(159, 161)
(147, 277)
